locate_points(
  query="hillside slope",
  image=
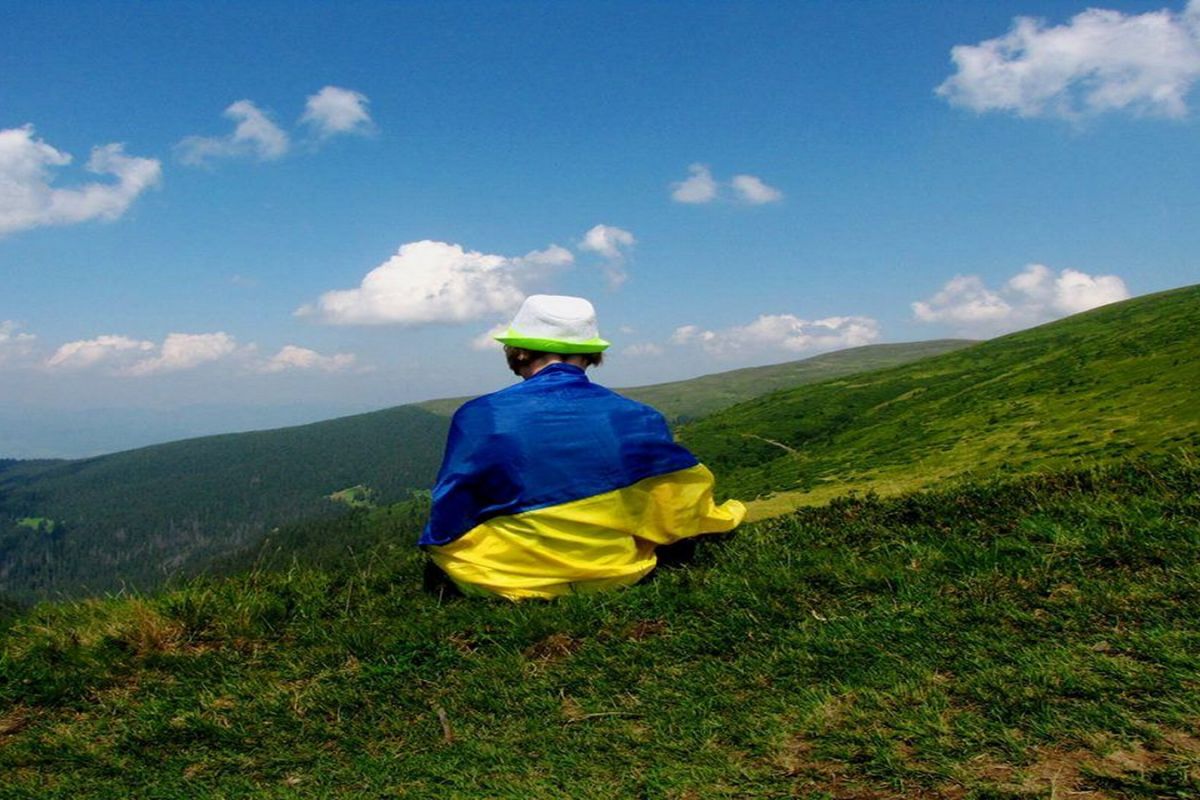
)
(998, 639)
(1116, 380)
(136, 517)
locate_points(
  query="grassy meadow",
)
(1015, 638)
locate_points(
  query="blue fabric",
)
(551, 439)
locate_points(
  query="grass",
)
(355, 496)
(1021, 637)
(38, 524)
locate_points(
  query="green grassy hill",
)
(1113, 381)
(138, 517)
(1020, 638)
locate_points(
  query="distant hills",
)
(137, 517)
(1114, 381)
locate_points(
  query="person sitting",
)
(558, 485)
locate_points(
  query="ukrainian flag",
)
(557, 485)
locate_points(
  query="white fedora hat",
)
(555, 324)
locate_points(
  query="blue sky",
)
(854, 178)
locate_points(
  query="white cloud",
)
(254, 135)
(427, 282)
(14, 345)
(123, 355)
(334, 110)
(699, 187)
(781, 332)
(611, 243)
(1033, 296)
(487, 339)
(607, 240)
(965, 299)
(1099, 61)
(643, 349)
(181, 351)
(27, 200)
(1076, 291)
(539, 266)
(552, 256)
(106, 349)
(753, 191)
(688, 334)
(291, 357)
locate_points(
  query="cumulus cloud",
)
(699, 187)
(334, 110)
(552, 256)
(752, 190)
(784, 332)
(181, 351)
(1100, 61)
(27, 199)
(643, 349)
(254, 135)
(1033, 296)
(428, 282)
(607, 240)
(106, 349)
(124, 355)
(612, 243)
(292, 357)
(539, 265)
(14, 345)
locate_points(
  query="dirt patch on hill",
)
(1089, 774)
(551, 650)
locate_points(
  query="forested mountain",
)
(139, 516)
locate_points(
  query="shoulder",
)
(628, 402)
(474, 411)
(483, 411)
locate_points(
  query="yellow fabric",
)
(585, 545)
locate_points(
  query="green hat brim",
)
(513, 339)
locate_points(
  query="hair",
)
(518, 357)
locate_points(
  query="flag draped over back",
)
(556, 485)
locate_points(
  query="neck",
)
(534, 367)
